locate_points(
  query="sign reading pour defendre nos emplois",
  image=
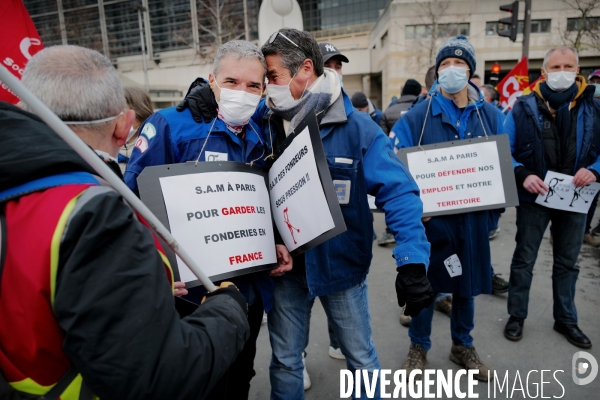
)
(461, 176)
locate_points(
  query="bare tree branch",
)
(583, 33)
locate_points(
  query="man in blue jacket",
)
(361, 157)
(213, 124)
(455, 111)
(555, 128)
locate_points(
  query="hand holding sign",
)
(584, 177)
(533, 184)
(563, 194)
(284, 261)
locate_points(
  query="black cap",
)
(328, 50)
(411, 87)
(359, 100)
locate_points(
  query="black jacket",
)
(395, 112)
(112, 299)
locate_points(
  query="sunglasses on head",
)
(275, 34)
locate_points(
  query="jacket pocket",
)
(344, 173)
(523, 153)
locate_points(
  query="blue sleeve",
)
(501, 120)
(397, 194)
(404, 137)
(153, 147)
(509, 127)
(596, 139)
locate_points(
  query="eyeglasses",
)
(274, 36)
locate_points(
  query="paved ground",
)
(541, 348)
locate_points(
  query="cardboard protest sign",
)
(219, 211)
(305, 205)
(464, 175)
(564, 195)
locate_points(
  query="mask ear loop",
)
(261, 142)
(206, 140)
(272, 155)
(424, 123)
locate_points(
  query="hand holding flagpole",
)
(100, 167)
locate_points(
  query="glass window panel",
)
(410, 31)
(71, 4)
(491, 28)
(572, 24)
(545, 26)
(35, 7)
(319, 15)
(465, 29)
(123, 29)
(171, 25)
(83, 28)
(48, 29)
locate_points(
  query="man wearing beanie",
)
(464, 234)
(361, 102)
(410, 91)
(555, 128)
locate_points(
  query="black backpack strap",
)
(7, 392)
(62, 384)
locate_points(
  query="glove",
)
(200, 100)
(413, 289)
(228, 289)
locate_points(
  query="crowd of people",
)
(88, 291)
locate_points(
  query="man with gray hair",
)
(213, 124)
(82, 87)
(86, 288)
(555, 128)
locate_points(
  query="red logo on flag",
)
(20, 41)
(513, 84)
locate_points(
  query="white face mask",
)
(559, 81)
(453, 79)
(341, 79)
(281, 95)
(236, 106)
(597, 90)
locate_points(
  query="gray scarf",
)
(321, 94)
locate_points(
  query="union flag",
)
(513, 84)
(20, 41)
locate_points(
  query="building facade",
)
(402, 43)
(387, 42)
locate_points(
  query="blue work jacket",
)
(466, 234)
(374, 168)
(170, 137)
(527, 146)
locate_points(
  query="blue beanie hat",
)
(458, 47)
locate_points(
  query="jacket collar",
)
(447, 106)
(338, 112)
(407, 98)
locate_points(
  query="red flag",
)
(530, 88)
(513, 84)
(20, 41)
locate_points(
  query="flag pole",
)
(102, 169)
